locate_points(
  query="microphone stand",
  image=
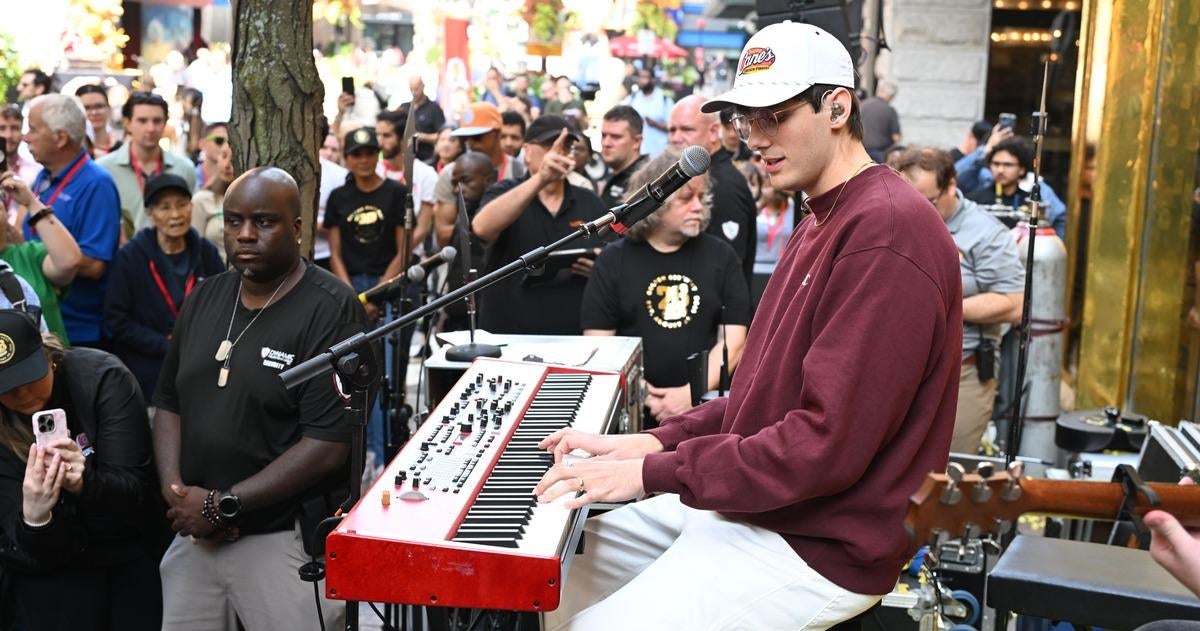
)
(395, 424)
(1035, 208)
(468, 352)
(327, 361)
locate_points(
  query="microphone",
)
(692, 162)
(416, 274)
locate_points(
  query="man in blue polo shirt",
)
(83, 197)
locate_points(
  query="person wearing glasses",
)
(213, 141)
(207, 216)
(782, 505)
(105, 139)
(733, 208)
(674, 285)
(1010, 163)
(993, 280)
(142, 158)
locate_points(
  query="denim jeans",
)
(375, 442)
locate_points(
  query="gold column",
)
(1146, 127)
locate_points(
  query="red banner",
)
(455, 86)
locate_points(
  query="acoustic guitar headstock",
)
(957, 504)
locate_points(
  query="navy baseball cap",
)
(165, 182)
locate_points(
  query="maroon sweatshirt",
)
(845, 396)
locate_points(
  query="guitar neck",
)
(1102, 500)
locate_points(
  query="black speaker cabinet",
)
(841, 18)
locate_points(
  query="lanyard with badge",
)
(62, 184)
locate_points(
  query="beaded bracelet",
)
(210, 512)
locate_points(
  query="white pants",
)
(208, 586)
(658, 564)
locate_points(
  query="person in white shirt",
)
(389, 126)
(654, 106)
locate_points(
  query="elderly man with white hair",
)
(84, 198)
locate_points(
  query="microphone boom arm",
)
(325, 362)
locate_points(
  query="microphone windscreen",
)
(694, 160)
(448, 253)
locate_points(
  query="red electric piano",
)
(453, 521)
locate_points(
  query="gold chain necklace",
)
(864, 167)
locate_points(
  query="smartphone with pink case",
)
(49, 426)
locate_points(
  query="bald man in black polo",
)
(245, 463)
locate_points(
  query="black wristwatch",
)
(229, 505)
(40, 215)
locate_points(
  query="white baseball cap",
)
(783, 60)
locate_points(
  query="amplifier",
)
(1169, 453)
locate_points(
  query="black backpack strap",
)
(11, 287)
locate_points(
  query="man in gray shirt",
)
(993, 282)
(881, 123)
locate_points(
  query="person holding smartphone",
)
(80, 526)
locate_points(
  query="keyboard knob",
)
(426, 444)
(465, 427)
(400, 478)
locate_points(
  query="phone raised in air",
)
(348, 85)
(1008, 121)
(3, 155)
(49, 426)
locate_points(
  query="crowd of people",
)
(142, 275)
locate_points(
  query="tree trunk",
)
(277, 97)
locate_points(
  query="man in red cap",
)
(782, 505)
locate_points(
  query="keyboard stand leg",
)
(437, 617)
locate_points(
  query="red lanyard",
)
(162, 288)
(66, 179)
(137, 170)
(773, 229)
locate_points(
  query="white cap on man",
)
(783, 60)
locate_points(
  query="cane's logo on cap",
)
(755, 60)
(7, 349)
(362, 136)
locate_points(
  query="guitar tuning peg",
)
(1012, 488)
(1000, 527)
(937, 536)
(985, 469)
(952, 494)
(980, 491)
(971, 531)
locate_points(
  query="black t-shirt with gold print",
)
(672, 301)
(367, 224)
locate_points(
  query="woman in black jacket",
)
(152, 275)
(80, 525)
